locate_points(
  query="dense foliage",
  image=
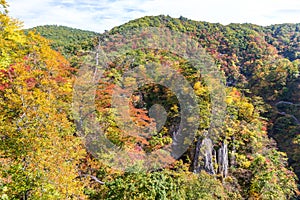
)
(43, 154)
(255, 60)
(70, 42)
(39, 152)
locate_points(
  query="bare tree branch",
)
(94, 178)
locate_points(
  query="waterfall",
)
(223, 160)
(203, 159)
(206, 157)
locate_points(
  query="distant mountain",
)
(286, 38)
(68, 41)
(261, 61)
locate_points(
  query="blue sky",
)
(100, 15)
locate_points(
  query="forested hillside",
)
(252, 154)
(65, 39)
(262, 60)
(70, 42)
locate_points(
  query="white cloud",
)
(100, 15)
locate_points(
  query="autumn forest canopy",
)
(250, 150)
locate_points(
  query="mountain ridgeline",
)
(253, 154)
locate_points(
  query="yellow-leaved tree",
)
(39, 152)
